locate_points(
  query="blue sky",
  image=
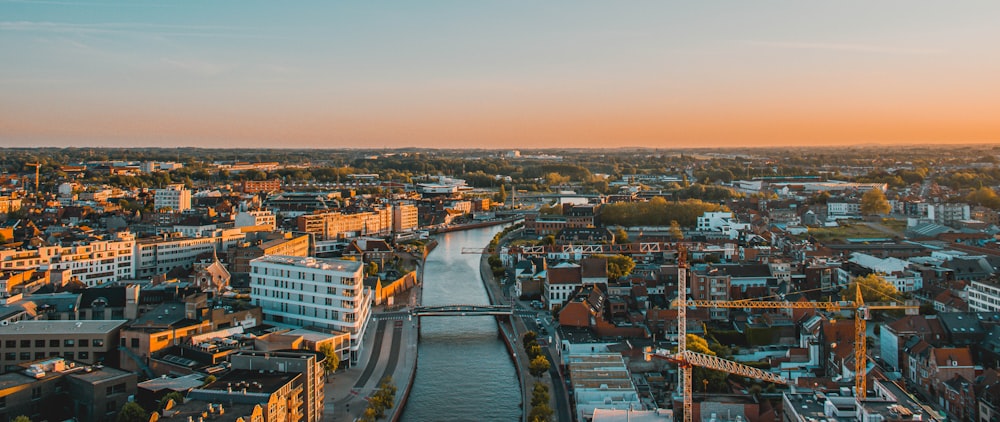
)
(497, 74)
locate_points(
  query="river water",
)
(463, 370)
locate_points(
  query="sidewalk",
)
(390, 347)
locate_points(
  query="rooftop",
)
(62, 327)
(311, 262)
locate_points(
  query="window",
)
(36, 393)
(10, 344)
(25, 355)
(135, 342)
(83, 342)
(39, 355)
(53, 343)
(39, 343)
(9, 356)
(68, 355)
(69, 342)
(83, 355)
(98, 342)
(25, 344)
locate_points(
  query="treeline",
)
(657, 212)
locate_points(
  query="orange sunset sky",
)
(498, 74)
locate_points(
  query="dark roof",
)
(113, 296)
(744, 270)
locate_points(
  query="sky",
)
(498, 74)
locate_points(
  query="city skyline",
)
(497, 74)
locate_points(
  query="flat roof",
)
(311, 262)
(62, 327)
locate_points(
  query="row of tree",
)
(656, 212)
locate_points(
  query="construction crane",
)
(686, 360)
(861, 315)
(37, 167)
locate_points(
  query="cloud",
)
(128, 29)
(856, 48)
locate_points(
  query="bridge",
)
(455, 310)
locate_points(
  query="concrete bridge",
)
(455, 310)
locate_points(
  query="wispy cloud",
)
(845, 47)
(128, 28)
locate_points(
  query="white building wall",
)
(305, 291)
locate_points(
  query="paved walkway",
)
(389, 348)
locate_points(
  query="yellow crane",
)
(686, 360)
(36, 166)
(861, 314)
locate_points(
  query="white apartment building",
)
(160, 255)
(843, 209)
(92, 263)
(404, 217)
(984, 296)
(722, 222)
(307, 291)
(174, 197)
(256, 218)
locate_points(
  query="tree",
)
(209, 379)
(539, 366)
(984, 196)
(698, 344)
(874, 288)
(501, 195)
(372, 268)
(675, 230)
(21, 418)
(332, 361)
(873, 202)
(540, 413)
(621, 236)
(132, 412)
(177, 397)
(618, 265)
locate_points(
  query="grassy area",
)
(841, 233)
(894, 224)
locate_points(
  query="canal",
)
(463, 370)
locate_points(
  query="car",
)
(538, 322)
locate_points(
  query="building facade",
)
(313, 292)
(175, 197)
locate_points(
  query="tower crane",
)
(861, 315)
(686, 360)
(37, 166)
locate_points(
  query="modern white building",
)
(601, 381)
(155, 256)
(984, 296)
(313, 292)
(722, 222)
(174, 197)
(92, 263)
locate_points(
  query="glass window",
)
(84, 342)
(25, 355)
(69, 355)
(10, 344)
(39, 343)
(10, 356)
(84, 355)
(53, 343)
(98, 342)
(39, 355)
(69, 342)
(25, 344)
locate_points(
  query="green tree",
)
(372, 268)
(698, 344)
(209, 379)
(873, 202)
(332, 361)
(984, 196)
(541, 413)
(132, 412)
(539, 365)
(874, 288)
(618, 265)
(177, 397)
(21, 418)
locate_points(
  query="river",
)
(463, 370)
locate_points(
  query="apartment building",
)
(241, 255)
(335, 225)
(160, 255)
(308, 364)
(59, 389)
(175, 198)
(92, 263)
(984, 296)
(87, 342)
(404, 217)
(256, 186)
(257, 218)
(306, 291)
